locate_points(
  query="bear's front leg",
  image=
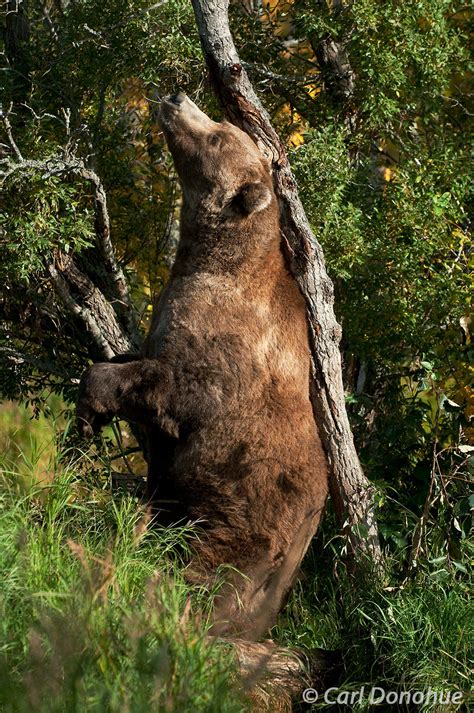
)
(136, 391)
(98, 398)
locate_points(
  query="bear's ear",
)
(250, 198)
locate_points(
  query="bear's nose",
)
(178, 98)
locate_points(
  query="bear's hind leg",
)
(248, 604)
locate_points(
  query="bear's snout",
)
(179, 112)
(177, 99)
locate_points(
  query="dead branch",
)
(9, 133)
(92, 309)
(14, 356)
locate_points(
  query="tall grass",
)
(94, 613)
(407, 637)
(27, 443)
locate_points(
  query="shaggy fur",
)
(222, 386)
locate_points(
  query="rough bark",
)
(351, 492)
(86, 302)
(337, 77)
(120, 295)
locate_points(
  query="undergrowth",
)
(398, 635)
(95, 614)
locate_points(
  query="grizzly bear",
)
(222, 387)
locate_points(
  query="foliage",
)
(409, 638)
(381, 157)
(50, 218)
(95, 613)
(89, 97)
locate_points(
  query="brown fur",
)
(222, 388)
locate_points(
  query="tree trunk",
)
(350, 490)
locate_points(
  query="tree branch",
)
(95, 312)
(337, 76)
(14, 356)
(60, 166)
(351, 492)
(9, 133)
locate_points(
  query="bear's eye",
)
(214, 139)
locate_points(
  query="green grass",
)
(406, 638)
(95, 614)
(27, 444)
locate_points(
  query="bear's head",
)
(222, 172)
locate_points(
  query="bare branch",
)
(14, 356)
(95, 312)
(82, 312)
(47, 18)
(102, 34)
(9, 133)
